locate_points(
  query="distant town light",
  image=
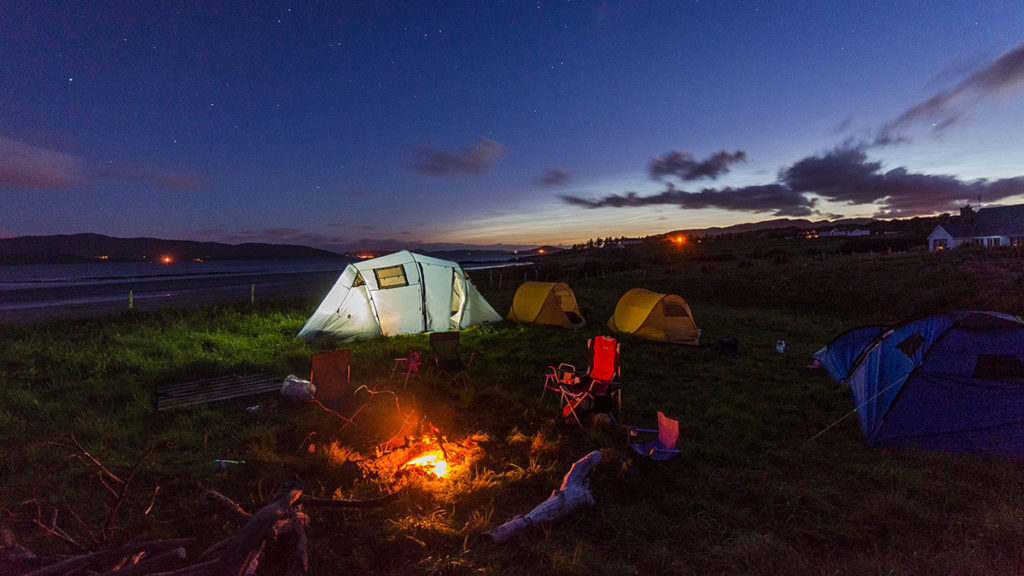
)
(166, 259)
(540, 251)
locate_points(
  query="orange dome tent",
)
(545, 303)
(655, 316)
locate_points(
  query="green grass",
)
(750, 494)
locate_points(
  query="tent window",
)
(391, 277)
(911, 344)
(999, 367)
(358, 280)
(673, 310)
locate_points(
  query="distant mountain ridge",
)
(778, 223)
(68, 248)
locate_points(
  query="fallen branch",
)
(122, 495)
(109, 556)
(249, 543)
(575, 491)
(216, 502)
(152, 564)
(297, 522)
(95, 462)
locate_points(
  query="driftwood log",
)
(575, 491)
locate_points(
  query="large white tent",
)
(401, 293)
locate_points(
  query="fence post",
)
(131, 300)
(252, 294)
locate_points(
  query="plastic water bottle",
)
(780, 346)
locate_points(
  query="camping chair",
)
(556, 376)
(330, 375)
(448, 357)
(661, 448)
(598, 385)
(410, 365)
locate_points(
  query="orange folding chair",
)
(331, 375)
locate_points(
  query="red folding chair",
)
(408, 365)
(601, 381)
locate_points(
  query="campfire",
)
(429, 456)
(433, 463)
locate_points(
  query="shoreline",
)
(45, 305)
(26, 306)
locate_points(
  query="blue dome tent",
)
(951, 381)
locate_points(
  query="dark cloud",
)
(26, 166)
(844, 175)
(683, 166)
(475, 159)
(946, 107)
(555, 177)
(773, 198)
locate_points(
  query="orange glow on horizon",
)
(166, 259)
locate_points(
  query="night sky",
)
(389, 125)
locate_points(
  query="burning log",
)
(575, 491)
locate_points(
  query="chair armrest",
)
(634, 430)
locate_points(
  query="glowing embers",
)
(432, 463)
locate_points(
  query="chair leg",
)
(394, 369)
(549, 380)
(570, 405)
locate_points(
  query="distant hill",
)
(490, 255)
(800, 223)
(65, 248)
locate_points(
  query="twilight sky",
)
(378, 124)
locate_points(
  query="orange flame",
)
(431, 462)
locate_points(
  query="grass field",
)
(752, 493)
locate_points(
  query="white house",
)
(991, 227)
(854, 232)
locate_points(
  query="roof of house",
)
(994, 221)
(956, 228)
(999, 221)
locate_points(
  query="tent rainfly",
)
(545, 303)
(401, 293)
(952, 381)
(654, 316)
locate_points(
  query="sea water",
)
(42, 285)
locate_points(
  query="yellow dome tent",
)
(654, 316)
(545, 303)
